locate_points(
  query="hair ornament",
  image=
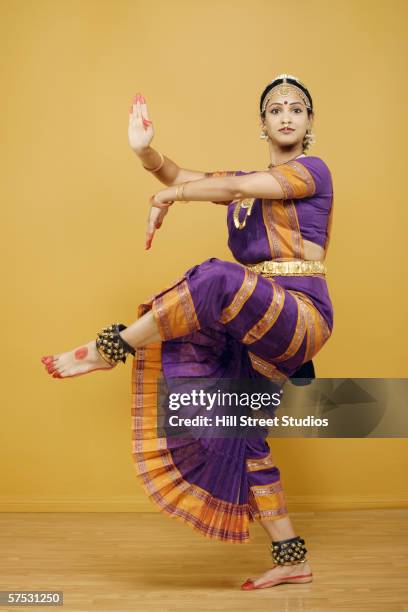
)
(285, 88)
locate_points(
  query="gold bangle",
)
(179, 192)
(158, 167)
(182, 192)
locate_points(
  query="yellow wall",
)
(74, 208)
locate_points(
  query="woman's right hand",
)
(158, 210)
(140, 129)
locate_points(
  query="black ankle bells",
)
(111, 346)
(289, 552)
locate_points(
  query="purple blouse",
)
(252, 244)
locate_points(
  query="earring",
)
(310, 138)
(264, 135)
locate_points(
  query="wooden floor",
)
(152, 563)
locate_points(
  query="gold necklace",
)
(285, 162)
(248, 203)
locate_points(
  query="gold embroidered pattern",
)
(267, 490)
(293, 267)
(242, 295)
(187, 304)
(269, 318)
(266, 369)
(273, 237)
(297, 240)
(298, 336)
(305, 176)
(287, 188)
(295, 180)
(162, 318)
(253, 465)
(244, 205)
(264, 514)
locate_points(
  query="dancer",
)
(260, 317)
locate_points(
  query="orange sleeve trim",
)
(294, 179)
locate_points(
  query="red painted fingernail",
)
(142, 99)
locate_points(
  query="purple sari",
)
(221, 320)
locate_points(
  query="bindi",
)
(81, 353)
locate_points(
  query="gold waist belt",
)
(300, 267)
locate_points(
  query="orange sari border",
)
(174, 312)
(317, 329)
(241, 297)
(268, 320)
(267, 368)
(295, 180)
(254, 465)
(268, 501)
(282, 228)
(298, 336)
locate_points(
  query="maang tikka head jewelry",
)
(285, 88)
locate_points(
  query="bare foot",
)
(295, 574)
(80, 360)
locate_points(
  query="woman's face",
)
(284, 112)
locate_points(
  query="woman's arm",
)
(225, 189)
(170, 173)
(217, 189)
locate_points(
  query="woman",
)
(259, 318)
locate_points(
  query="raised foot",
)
(300, 573)
(77, 362)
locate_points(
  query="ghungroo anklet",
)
(111, 346)
(289, 552)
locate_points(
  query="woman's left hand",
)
(159, 207)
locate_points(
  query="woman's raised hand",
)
(140, 129)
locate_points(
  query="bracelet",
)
(180, 196)
(158, 167)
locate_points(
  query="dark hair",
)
(290, 82)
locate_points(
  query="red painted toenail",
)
(248, 586)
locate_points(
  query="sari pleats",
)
(208, 321)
